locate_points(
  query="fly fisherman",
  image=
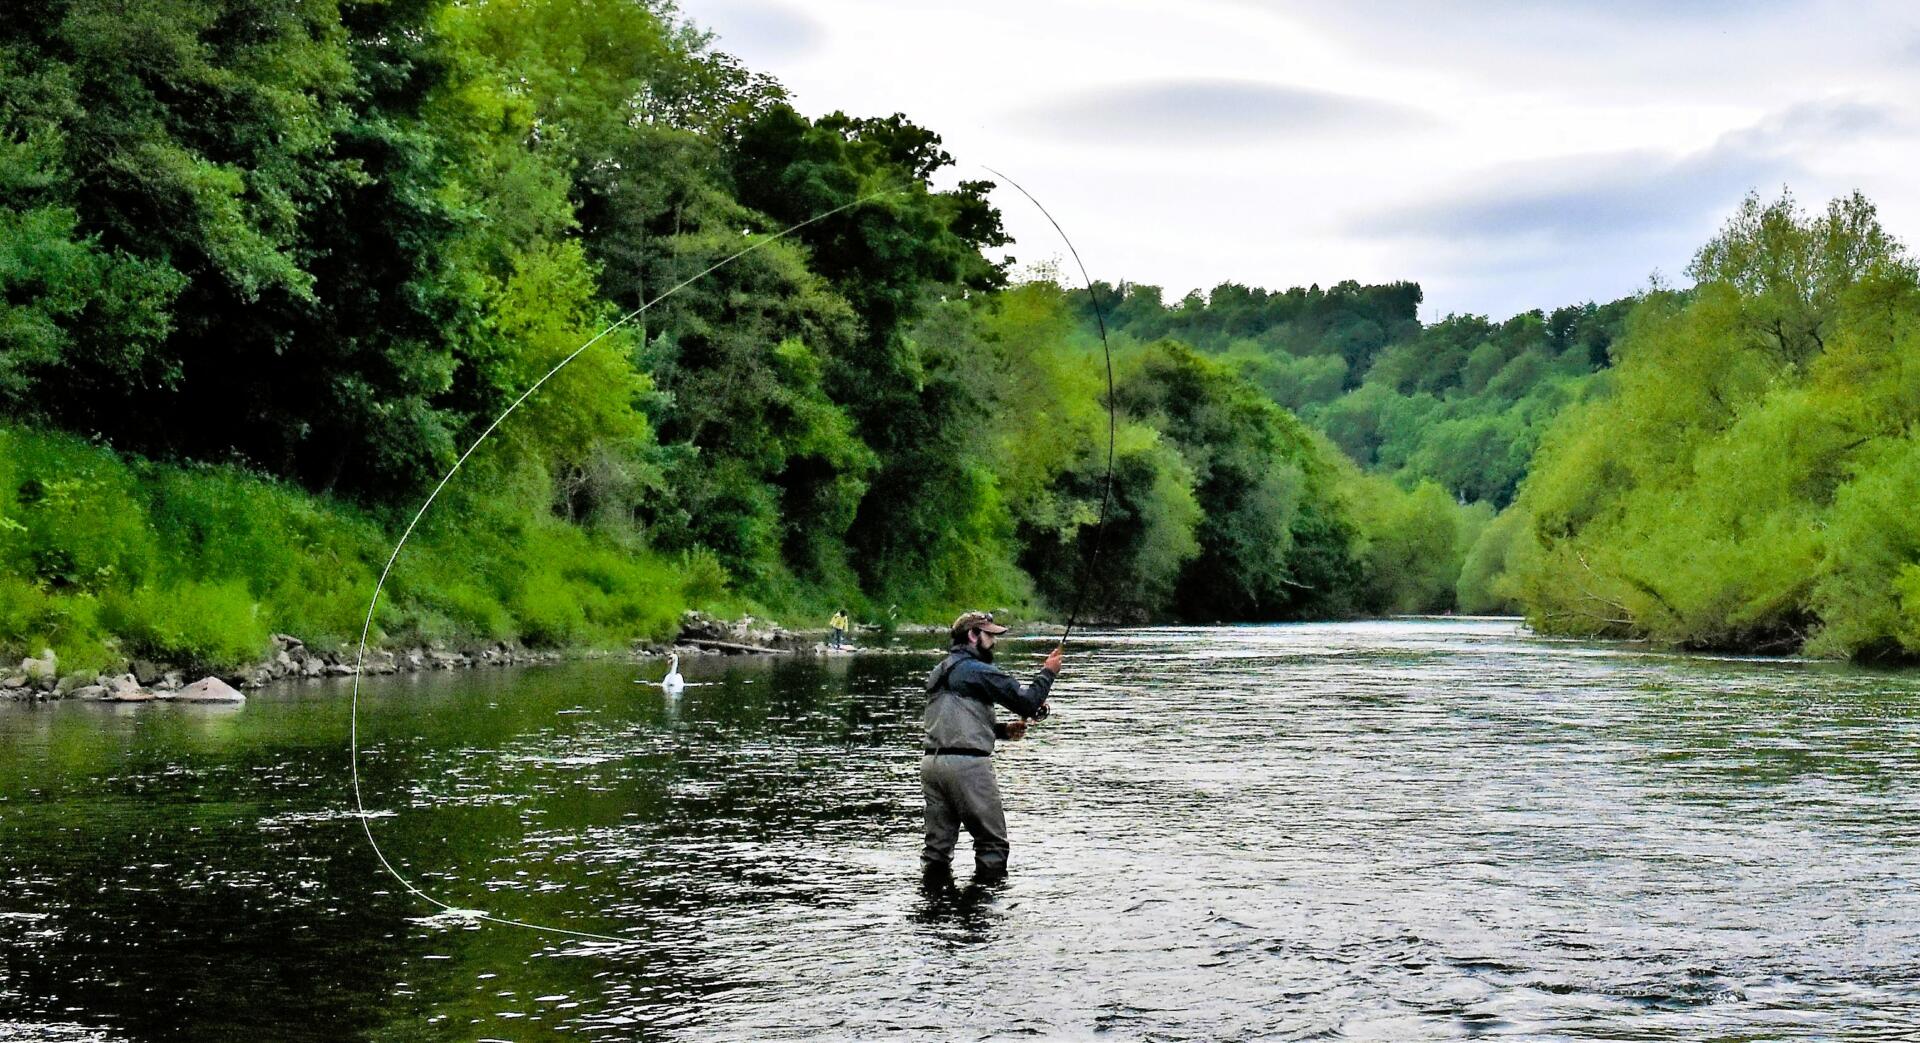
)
(956, 772)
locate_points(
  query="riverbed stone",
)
(41, 671)
(206, 690)
(72, 682)
(146, 671)
(126, 689)
(89, 693)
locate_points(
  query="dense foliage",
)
(1747, 482)
(1461, 402)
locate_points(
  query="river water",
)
(1372, 831)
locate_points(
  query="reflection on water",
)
(1371, 831)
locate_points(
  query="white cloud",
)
(761, 32)
(1205, 111)
(1609, 219)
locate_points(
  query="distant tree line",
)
(1461, 402)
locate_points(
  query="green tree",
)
(889, 259)
(1254, 468)
(76, 319)
(1714, 497)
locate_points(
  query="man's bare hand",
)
(1052, 665)
(1017, 728)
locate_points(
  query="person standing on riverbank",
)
(956, 766)
(839, 624)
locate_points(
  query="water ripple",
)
(1372, 831)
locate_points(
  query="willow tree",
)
(1715, 497)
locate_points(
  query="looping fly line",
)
(366, 628)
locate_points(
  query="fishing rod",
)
(366, 628)
(1089, 560)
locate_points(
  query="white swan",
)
(673, 682)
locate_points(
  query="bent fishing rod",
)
(1089, 560)
(366, 629)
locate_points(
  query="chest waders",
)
(961, 792)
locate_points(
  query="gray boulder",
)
(206, 690)
(126, 689)
(41, 672)
(71, 683)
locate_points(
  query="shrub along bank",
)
(1747, 478)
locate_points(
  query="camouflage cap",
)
(982, 621)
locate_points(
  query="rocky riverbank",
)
(38, 678)
(701, 634)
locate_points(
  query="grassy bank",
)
(103, 558)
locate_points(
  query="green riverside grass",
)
(104, 558)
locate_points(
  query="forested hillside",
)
(1462, 401)
(267, 268)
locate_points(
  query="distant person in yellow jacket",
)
(839, 623)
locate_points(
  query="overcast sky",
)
(1508, 154)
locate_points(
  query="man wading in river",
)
(956, 773)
